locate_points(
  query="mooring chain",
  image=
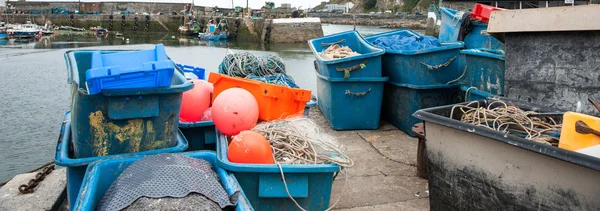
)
(29, 187)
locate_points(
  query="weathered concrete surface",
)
(294, 30)
(43, 198)
(393, 21)
(384, 174)
(555, 69)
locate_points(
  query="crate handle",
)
(333, 43)
(445, 64)
(347, 70)
(357, 94)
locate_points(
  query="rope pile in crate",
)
(510, 119)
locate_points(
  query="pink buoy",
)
(234, 110)
(195, 102)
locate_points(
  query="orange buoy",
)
(234, 110)
(250, 147)
(195, 102)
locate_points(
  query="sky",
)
(255, 4)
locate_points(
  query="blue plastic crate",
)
(350, 104)
(100, 176)
(400, 101)
(477, 38)
(129, 70)
(430, 66)
(200, 135)
(368, 64)
(123, 120)
(76, 166)
(484, 69)
(197, 71)
(310, 185)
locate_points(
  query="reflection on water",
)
(68, 39)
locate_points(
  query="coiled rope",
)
(510, 119)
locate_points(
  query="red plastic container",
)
(482, 12)
(274, 101)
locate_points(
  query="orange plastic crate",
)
(274, 101)
(482, 12)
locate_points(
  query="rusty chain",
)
(29, 187)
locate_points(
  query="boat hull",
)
(18, 34)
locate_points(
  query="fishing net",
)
(271, 65)
(269, 69)
(239, 64)
(167, 175)
(278, 79)
(299, 141)
(335, 51)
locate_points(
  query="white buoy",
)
(127, 40)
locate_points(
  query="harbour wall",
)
(389, 20)
(250, 29)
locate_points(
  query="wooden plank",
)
(568, 18)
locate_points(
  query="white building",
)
(340, 7)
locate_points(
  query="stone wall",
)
(554, 69)
(298, 30)
(109, 7)
(393, 21)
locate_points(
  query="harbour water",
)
(35, 95)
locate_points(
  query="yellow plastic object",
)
(570, 139)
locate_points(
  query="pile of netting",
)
(299, 141)
(510, 119)
(268, 69)
(335, 51)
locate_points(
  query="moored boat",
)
(27, 30)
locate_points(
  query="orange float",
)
(195, 102)
(234, 110)
(250, 147)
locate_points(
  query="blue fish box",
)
(121, 120)
(350, 104)
(484, 69)
(309, 184)
(76, 166)
(200, 135)
(400, 101)
(431, 66)
(477, 38)
(367, 64)
(129, 70)
(101, 175)
(197, 71)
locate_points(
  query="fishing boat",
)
(48, 28)
(215, 31)
(3, 35)
(214, 36)
(27, 30)
(190, 28)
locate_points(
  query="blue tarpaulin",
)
(400, 42)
